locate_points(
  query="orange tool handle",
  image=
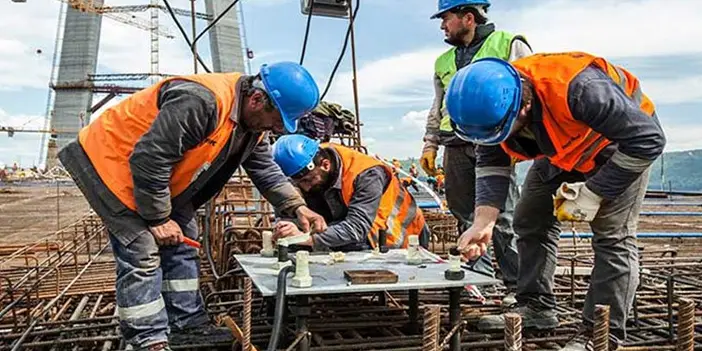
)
(191, 242)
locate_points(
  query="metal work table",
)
(329, 279)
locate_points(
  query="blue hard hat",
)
(294, 153)
(483, 101)
(292, 89)
(445, 5)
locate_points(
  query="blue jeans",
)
(157, 286)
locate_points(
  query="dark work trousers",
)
(615, 275)
(459, 167)
(157, 288)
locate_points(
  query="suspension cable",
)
(343, 50)
(185, 35)
(307, 33)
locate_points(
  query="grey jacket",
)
(348, 225)
(433, 136)
(597, 101)
(187, 115)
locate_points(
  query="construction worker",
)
(466, 28)
(594, 135)
(357, 195)
(146, 164)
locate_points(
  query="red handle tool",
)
(191, 242)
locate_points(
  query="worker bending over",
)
(146, 164)
(466, 28)
(357, 195)
(594, 136)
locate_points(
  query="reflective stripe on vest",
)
(397, 214)
(109, 140)
(575, 143)
(498, 44)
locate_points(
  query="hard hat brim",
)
(494, 137)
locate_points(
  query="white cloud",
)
(612, 28)
(392, 81)
(682, 137)
(416, 119)
(609, 28)
(22, 148)
(671, 91)
(263, 3)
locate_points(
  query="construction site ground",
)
(57, 286)
(29, 212)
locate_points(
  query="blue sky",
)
(396, 45)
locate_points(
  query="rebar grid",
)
(62, 312)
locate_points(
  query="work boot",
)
(582, 341)
(532, 318)
(510, 299)
(204, 334)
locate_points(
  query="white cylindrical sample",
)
(455, 263)
(413, 254)
(302, 278)
(267, 250)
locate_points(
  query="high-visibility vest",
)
(576, 144)
(398, 214)
(498, 44)
(109, 140)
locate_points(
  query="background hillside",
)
(682, 170)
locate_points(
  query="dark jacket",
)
(187, 114)
(596, 100)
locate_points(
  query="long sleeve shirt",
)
(348, 225)
(597, 101)
(433, 136)
(187, 115)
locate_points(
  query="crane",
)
(119, 16)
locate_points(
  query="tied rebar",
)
(513, 332)
(686, 326)
(246, 344)
(432, 319)
(600, 335)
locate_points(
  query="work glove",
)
(575, 202)
(428, 160)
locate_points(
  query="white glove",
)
(575, 202)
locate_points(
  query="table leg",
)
(413, 311)
(455, 317)
(302, 312)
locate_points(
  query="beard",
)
(321, 186)
(456, 39)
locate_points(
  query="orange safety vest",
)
(576, 144)
(398, 213)
(109, 140)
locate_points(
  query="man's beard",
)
(322, 186)
(457, 39)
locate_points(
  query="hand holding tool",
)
(191, 242)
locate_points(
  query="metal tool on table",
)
(456, 272)
(284, 245)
